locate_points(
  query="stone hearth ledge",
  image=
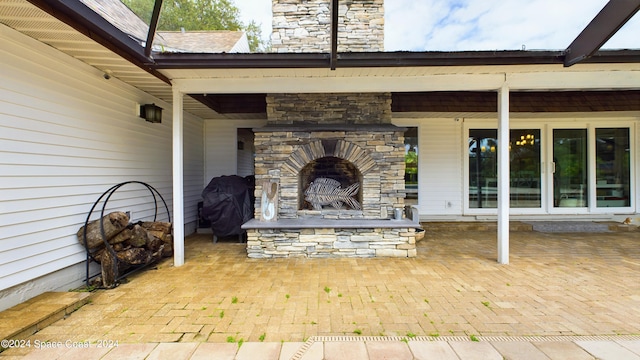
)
(317, 223)
(331, 238)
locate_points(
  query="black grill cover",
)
(227, 204)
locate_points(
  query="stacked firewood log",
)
(130, 244)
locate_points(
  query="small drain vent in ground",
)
(314, 339)
(478, 338)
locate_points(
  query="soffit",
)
(36, 23)
(536, 77)
(392, 71)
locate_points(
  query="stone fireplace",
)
(339, 178)
(346, 146)
(329, 167)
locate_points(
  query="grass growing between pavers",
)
(555, 285)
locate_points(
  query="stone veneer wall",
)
(326, 242)
(379, 155)
(354, 127)
(336, 108)
(302, 26)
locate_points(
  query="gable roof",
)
(120, 16)
(125, 20)
(214, 41)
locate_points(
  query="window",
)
(483, 168)
(411, 165)
(612, 167)
(524, 167)
(570, 165)
(524, 157)
(589, 169)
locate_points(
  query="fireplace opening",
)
(330, 182)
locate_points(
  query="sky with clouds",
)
(452, 25)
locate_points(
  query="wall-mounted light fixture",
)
(151, 112)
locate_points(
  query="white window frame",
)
(546, 127)
(593, 208)
(560, 124)
(422, 158)
(516, 124)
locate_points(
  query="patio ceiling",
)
(459, 101)
(71, 27)
(527, 102)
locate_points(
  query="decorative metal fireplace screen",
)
(330, 181)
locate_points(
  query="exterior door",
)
(555, 169)
(570, 165)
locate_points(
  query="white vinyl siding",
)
(193, 170)
(439, 171)
(66, 136)
(246, 163)
(439, 165)
(636, 163)
(440, 141)
(221, 146)
(220, 149)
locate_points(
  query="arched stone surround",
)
(377, 151)
(342, 149)
(348, 129)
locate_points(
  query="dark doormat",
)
(568, 226)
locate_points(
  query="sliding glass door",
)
(613, 170)
(524, 166)
(570, 178)
(483, 168)
(572, 183)
(555, 169)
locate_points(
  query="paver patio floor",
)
(555, 285)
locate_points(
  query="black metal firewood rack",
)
(91, 254)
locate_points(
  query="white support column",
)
(178, 182)
(503, 174)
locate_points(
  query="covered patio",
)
(558, 286)
(185, 81)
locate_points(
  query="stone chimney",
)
(304, 26)
(335, 108)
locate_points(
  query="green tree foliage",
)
(254, 35)
(193, 15)
(411, 162)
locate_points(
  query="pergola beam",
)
(334, 35)
(155, 16)
(608, 21)
(89, 23)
